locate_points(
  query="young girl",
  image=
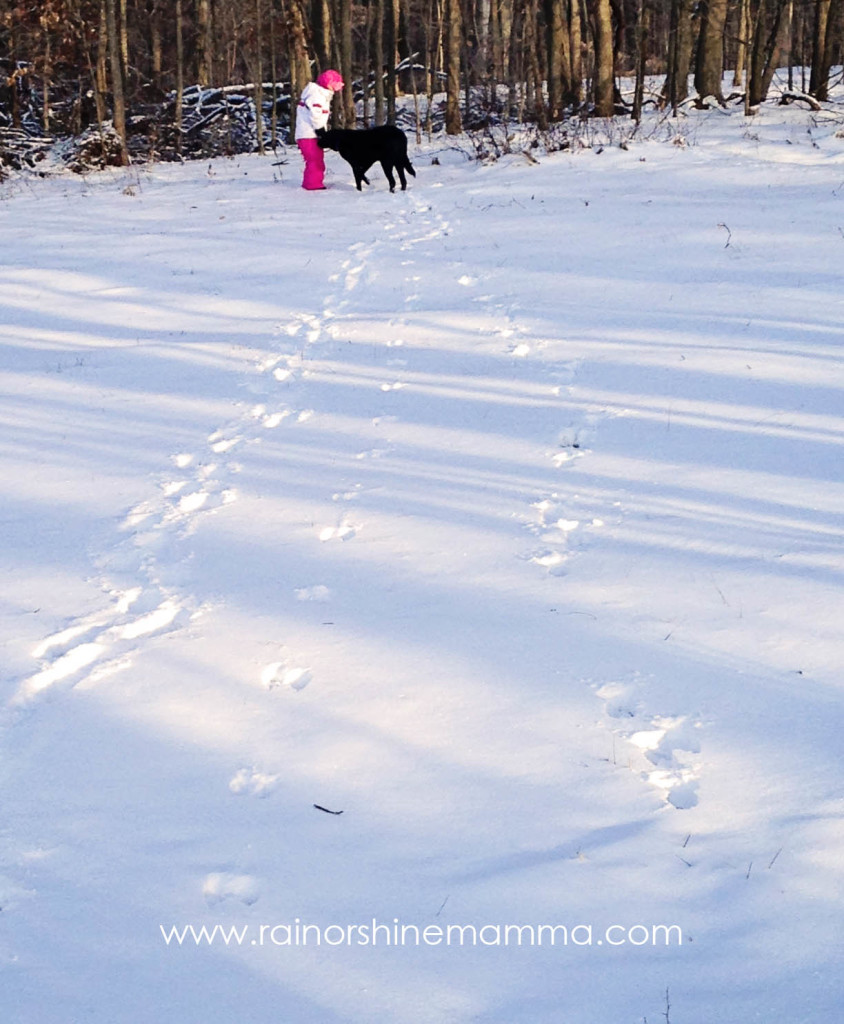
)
(312, 113)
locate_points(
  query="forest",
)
(173, 79)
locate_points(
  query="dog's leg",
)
(402, 178)
(388, 170)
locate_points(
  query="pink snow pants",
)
(314, 164)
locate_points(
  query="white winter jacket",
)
(313, 110)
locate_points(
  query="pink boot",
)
(314, 157)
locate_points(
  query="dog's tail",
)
(408, 166)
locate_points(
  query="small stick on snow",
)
(326, 810)
(729, 235)
(779, 851)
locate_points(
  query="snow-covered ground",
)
(503, 515)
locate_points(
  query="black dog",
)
(386, 144)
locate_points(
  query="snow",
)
(502, 515)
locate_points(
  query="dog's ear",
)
(320, 137)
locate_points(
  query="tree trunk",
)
(259, 75)
(642, 39)
(816, 80)
(48, 60)
(123, 27)
(274, 78)
(180, 73)
(297, 51)
(709, 66)
(680, 45)
(204, 49)
(827, 35)
(101, 76)
(344, 39)
(745, 30)
(768, 39)
(604, 77)
(453, 122)
(433, 48)
(378, 60)
(559, 71)
(532, 46)
(576, 51)
(156, 45)
(391, 46)
(116, 69)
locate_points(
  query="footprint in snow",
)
(344, 530)
(571, 445)
(100, 645)
(220, 443)
(282, 674)
(552, 561)
(667, 746)
(560, 533)
(224, 885)
(274, 419)
(318, 593)
(251, 782)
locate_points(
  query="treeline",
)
(68, 65)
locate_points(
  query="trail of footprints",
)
(664, 750)
(140, 571)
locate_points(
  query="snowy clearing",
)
(503, 516)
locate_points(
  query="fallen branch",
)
(799, 97)
(326, 810)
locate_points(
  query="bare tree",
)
(205, 46)
(709, 64)
(453, 39)
(116, 73)
(769, 36)
(604, 59)
(680, 46)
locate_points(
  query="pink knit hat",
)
(332, 80)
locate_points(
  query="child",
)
(311, 114)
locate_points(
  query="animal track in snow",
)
(251, 782)
(101, 644)
(559, 533)
(664, 747)
(220, 444)
(318, 593)
(553, 561)
(224, 885)
(344, 530)
(141, 606)
(571, 445)
(282, 674)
